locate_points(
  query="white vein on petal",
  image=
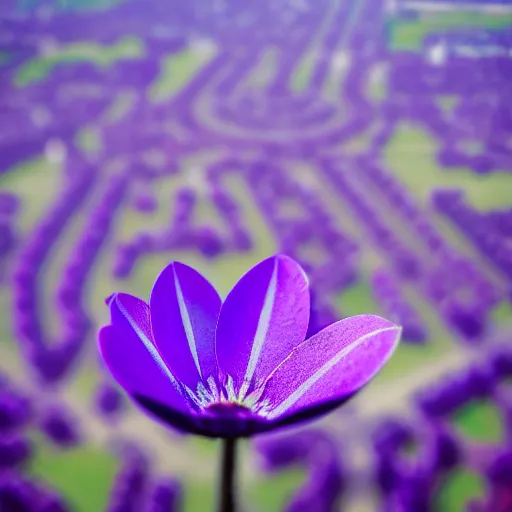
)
(296, 395)
(253, 399)
(204, 394)
(263, 408)
(261, 331)
(193, 397)
(148, 344)
(213, 388)
(185, 318)
(230, 389)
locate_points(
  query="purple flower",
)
(238, 367)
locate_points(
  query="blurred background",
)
(369, 139)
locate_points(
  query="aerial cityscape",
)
(370, 140)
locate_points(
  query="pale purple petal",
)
(331, 366)
(263, 318)
(131, 356)
(184, 312)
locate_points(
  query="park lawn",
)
(265, 68)
(88, 140)
(377, 89)
(357, 300)
(198, 496)
(271, 493)
(5, 327)
(332, 84)
(302, 73)
(457, 489)
(205, 446)
(75, 5)
(409, 357)
(5, 57)
(479, 421)
(502, 313)
(267, 494)
(121, 105)
(83, 475)
(411, 156)
(37, 183)
(37, 69)
(89, 5)
(358, 144)
(177, 69)
(447, 101)
(408, 35)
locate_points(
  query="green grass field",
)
(408, 35)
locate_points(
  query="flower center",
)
(228, 409)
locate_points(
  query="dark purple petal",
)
(331, 366)
(208, 424)
(133, 359)
(59, 426)
(500, 470)
(130, 484)
(166, 496)
(263, 319)
(108, 401)
(15, 409)
(15, 449)
(447, 451)
(278, 452)
(15, 494)
(179, 419)
(184, 311)
(51, 502)
(318, 452)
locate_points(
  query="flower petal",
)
(129, 352)
(167, 414)
(205, 424)
(184, 311)
(330, 367)
(263, 318)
